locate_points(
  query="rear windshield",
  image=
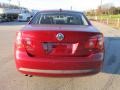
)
(59, 18)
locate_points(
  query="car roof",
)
(61, 10)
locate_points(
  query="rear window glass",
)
(59, 18)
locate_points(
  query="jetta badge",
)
(60, 36)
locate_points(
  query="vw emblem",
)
(60, 36)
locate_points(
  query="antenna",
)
(60, 10)
(70, 7)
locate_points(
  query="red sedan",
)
(59, 43)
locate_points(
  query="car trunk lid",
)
(46, 43)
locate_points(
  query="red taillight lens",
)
(25, 44)
(29, 46)
(95, 42)
(19, 41)
(100, 43)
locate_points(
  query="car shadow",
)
(112, 55)
(13, 23)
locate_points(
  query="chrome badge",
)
(60, 36)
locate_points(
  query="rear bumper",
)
(59, 66)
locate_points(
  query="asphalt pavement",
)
(107, 79)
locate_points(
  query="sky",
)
(79, 5)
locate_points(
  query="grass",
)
(113, 19)
(109, 16)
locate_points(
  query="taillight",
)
(29, 46)
(95, 42)
(100, 42)
(19, 41)
(25, 44)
